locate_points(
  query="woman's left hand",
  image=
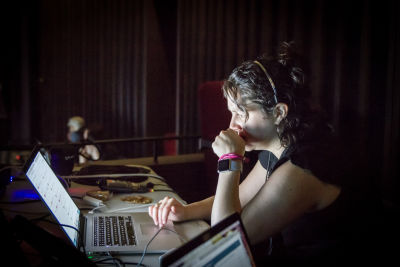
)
(228, 141)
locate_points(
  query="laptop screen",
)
(53, 194)
(224, 244)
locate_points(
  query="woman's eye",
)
(239, 114)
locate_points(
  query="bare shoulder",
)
(295, 183)
(289, 193)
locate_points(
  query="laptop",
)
(225, 244)
(100, 232)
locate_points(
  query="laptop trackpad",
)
(150, 229)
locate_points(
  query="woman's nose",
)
(235, 123)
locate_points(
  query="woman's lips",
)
(242, 134)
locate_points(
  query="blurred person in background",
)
(78, 133)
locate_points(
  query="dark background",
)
(132, 67)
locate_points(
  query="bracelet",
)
(231, 156)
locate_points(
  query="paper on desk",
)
(116, 204)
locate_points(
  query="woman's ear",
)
(280, 112)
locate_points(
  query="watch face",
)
(223, 165)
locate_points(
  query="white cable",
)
(113, 176)
(127, 208)
(99, 207)
(148, 243)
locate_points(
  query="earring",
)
(278, 130)
(278, 119)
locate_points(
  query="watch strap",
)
(227, 165)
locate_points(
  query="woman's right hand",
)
(228, 141)
(167, 209)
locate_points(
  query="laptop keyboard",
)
(113, 231)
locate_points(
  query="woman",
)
(292, 199)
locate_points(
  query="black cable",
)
(129, 263)
(115, 258)
(28, 201)
(135, 263)
(164, 190)
(85, 208)
(10, 167)
(83, 155)
(66, 185)
(19, 202)
(21, 211)
(69, 226)
(161, 184)
(108, 259)
(123, 262)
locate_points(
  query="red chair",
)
(169, 146)
(213, 112)
(214, 117)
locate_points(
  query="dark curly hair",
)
(250, 82)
